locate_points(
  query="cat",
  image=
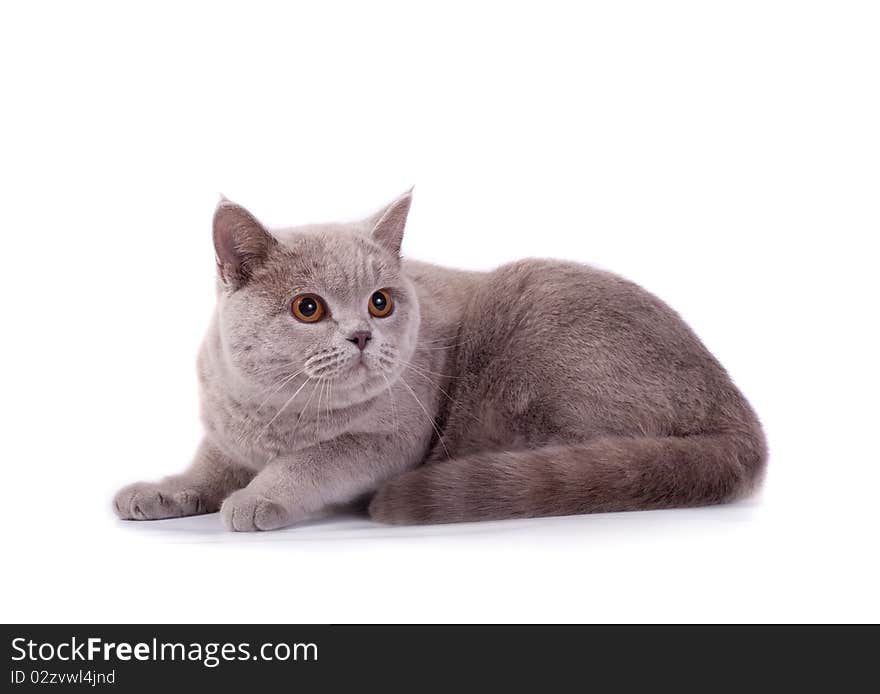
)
(334, 371)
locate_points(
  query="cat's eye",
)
(308, 308)
(380, 304)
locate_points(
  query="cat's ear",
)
(241, 243)
(388, 225)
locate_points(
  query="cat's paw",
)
(152, 501)
(247, 511)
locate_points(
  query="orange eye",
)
(308, 308)
(380, 304)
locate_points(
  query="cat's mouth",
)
(355, 367)
(363, 369)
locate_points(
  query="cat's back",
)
(560, 348)
(546, 297)
(536, 306)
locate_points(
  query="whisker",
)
(318, 413)
(282, 408)
(329, 400)
(433, 373)
(445, 337)
(444, 343)
(284, 382)
(303, 411)
(320, 360)
(430, 418)
(412, 368)
(448, 396)
(435, 349)
(393, 406)
(275, 370)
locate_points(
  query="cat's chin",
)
(360, 384)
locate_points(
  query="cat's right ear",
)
(241, 243)
(388, 225)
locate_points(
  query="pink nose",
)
(361, 338)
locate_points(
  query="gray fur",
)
(540, 388)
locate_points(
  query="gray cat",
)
(335, 372)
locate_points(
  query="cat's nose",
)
(361, 338)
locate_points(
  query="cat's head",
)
(326, 302)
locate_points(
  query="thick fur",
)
(607, 474)
(577, 392)
(540, 388)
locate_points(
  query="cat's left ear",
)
(388, 225)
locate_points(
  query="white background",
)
(724, 155)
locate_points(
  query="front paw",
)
(247, 511)
(152, 501)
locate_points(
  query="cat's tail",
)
(605, 474)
